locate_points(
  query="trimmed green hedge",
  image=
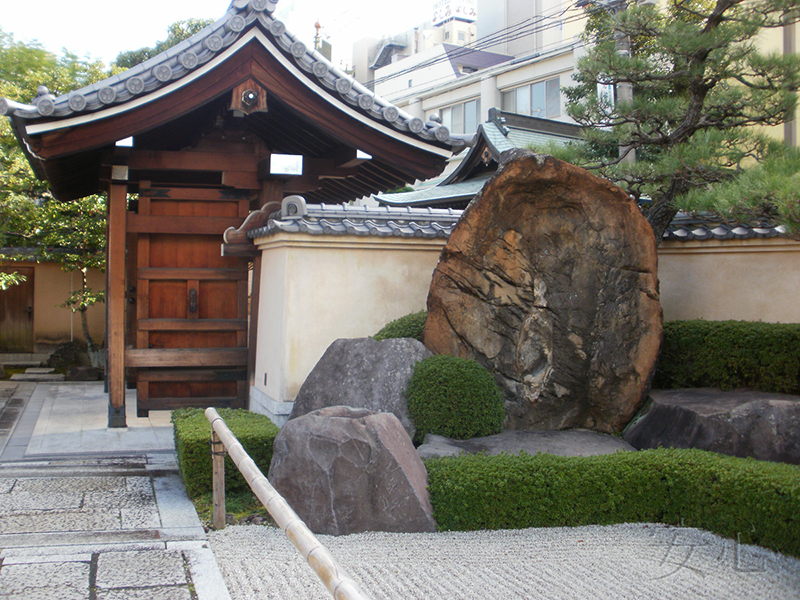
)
(730, 354)
(409, 326)
(454, 397)
(754, 501)
(192, 432)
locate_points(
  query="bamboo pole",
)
(339, 583)
(218, 481)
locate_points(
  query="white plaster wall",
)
(316, 289)
(750, 280)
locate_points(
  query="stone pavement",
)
(92, 513)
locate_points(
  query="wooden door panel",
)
(189, 389)
(217, 300)
(193, 209)
(189, 251)
(168, 300)
(201, 339)
(196, 300)
(16, 313)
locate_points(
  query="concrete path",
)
(92, 513)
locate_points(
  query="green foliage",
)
(409, 326)
(9, 279)
(192, 432)
(753, 501)
(454, 397)
(400, 190)
(730, 354)
(766, 192)
(700, 88)
(241, 505)
(176, 33)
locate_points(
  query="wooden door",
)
(191, 302)
(16, 313)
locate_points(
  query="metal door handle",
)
(192, 301)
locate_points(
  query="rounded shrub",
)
(409, 326)
(454, 397)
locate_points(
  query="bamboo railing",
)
(339, 583)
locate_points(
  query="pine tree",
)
(702, 93)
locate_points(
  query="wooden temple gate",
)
(204, 118)
(185, 305)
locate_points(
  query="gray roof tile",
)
(180, 60)
(334, 219)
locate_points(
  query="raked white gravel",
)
(636, 562)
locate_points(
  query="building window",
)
(462, 118)
(541, 99)
(462, 36)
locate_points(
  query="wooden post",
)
(115, 298)
(333, 576)
(218, 481)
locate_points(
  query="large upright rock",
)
(549, 281)
(347, 470)
(362, 373)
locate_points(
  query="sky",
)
(102, 29)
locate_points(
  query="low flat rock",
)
(743, 423)
(571, 442)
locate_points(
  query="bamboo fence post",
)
(339, 583)
(218, 481)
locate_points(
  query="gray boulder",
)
(362, 373)
(571, 442)
(347, 470)
(739, 423)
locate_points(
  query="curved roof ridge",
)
(185, 57)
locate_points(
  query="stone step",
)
(23, 359)
(38, 377)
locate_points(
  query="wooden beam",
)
(197, 402)
(186, 357)
(246, 180)
(191, 161)
(211, 194)
(185, 225)
(172, 375)
(171, 274)
(241, 250)
(255, 302)
(115, 323)
(193, 324)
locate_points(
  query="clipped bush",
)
(753, 501)
(192, 433)
(409, 326)
(454, 397)
(730, 354)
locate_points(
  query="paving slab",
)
(90, 513)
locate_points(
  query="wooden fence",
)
(338, 582)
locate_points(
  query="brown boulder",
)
(549, 281)
(348, 470)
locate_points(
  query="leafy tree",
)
(702, 92)
(71, 234)
(177, 32)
